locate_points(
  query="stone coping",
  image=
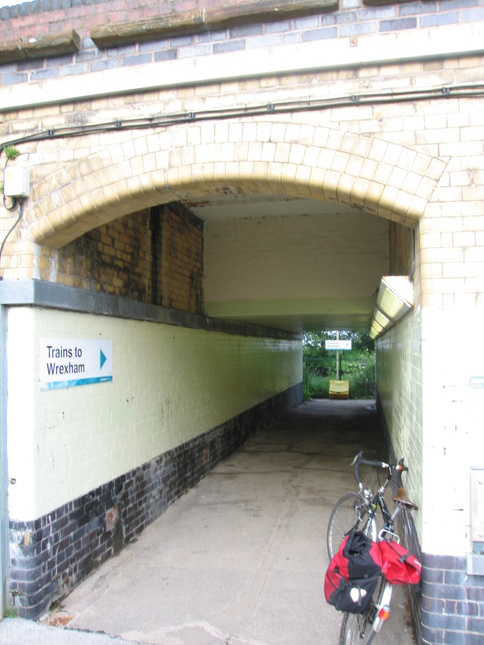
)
(55, 296)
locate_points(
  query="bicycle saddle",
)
(402, 499)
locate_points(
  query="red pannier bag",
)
(353, 574)
(398, 565)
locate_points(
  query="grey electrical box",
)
(16, 181)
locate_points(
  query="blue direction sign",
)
(65, 362)
(476, 382)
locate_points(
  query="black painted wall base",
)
(52, 554)
(452, 602)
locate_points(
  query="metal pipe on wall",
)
(4, 559)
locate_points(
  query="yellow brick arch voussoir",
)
(379, 177)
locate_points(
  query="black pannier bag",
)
(353, 573)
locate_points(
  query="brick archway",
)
(136, 170)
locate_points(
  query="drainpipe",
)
(4, 559)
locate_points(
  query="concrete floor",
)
(240, 559)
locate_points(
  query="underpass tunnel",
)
(194, 286)
(185, 193)
(241, 557)
(229, 284)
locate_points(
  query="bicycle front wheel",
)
(351, 510)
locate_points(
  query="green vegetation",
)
(10, 612)
(11, 152)
(356, 365)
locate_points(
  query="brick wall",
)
(115, 258)
(181, 259)
(402, 251)
(174, 378)
(452, 602)
(91, 466)
(153, 256)
(50, 555)
(434, 127)
(407, 520)
(448, 603)
(197, 29)
(431, 412)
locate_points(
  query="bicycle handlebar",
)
(360, 460)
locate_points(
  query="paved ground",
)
(240, 559)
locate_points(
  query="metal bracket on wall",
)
(475, 560)
(475, 564)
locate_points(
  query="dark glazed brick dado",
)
(452, 602)
(52, 554)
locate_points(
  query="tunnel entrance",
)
(242, 556)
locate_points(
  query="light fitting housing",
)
(395, 296)
(395, 299)
(375, 329)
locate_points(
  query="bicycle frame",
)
(378, 500)
(382, 608)
(361, 507)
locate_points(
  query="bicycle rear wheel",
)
(356, 630)
(359, 629)
(349, 511)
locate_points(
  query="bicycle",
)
(358, 510)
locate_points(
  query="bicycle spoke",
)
(355, 630)
(348, 512)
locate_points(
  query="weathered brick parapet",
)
(19, 49)
(66, 41)
(207, 19)
(43, 22)
(50, 555)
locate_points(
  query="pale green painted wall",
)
(433, 409)
(399, 383)
(169, 385)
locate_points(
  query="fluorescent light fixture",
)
(381, 319)
(375, 330)
(395, 299)
(395, 296)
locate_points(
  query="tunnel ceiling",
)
(291, 264)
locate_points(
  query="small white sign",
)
(65, 362)
(476, 382)
(337, 344)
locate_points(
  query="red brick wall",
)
(152, 256)
(182, 260)
(41, 20)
